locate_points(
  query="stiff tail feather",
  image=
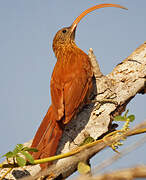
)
(47, 137)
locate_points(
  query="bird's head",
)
(66, 35)
(63, 37)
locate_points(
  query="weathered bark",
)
(125, 81)
(123, 174)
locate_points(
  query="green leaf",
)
(8, 154)
(19, 146)
(119, 118)
(131, 117)
(28, 156)
(83, 168)
(87, 140)
(17, 149)
(30, 149)
(21, 161)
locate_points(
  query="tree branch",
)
(125, 81)
(122, 174)
(85, 152)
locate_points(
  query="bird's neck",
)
(65, 50)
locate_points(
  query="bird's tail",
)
(47, 137)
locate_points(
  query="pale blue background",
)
(27, 28)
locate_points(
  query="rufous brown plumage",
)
(71, 85)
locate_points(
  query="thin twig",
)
(119, 155)
(138, 171)
(101, 144)
(87, 151)
(7, 172)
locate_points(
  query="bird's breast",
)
(70, 64)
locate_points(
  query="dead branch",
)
(87, 151)
(125, 81)
(122, 174)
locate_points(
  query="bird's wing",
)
(75, 94)
(70, 84)
(57, 99)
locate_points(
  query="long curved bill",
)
(84, 13)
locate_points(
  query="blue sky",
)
(27, 29)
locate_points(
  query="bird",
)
(70, 85)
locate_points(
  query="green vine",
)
(20, 155)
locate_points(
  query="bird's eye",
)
(64, 31)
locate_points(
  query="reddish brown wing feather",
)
(50, 142)
(70, 83)
(47, 137)
(57, 98)
(75, 96)
(41, 130)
